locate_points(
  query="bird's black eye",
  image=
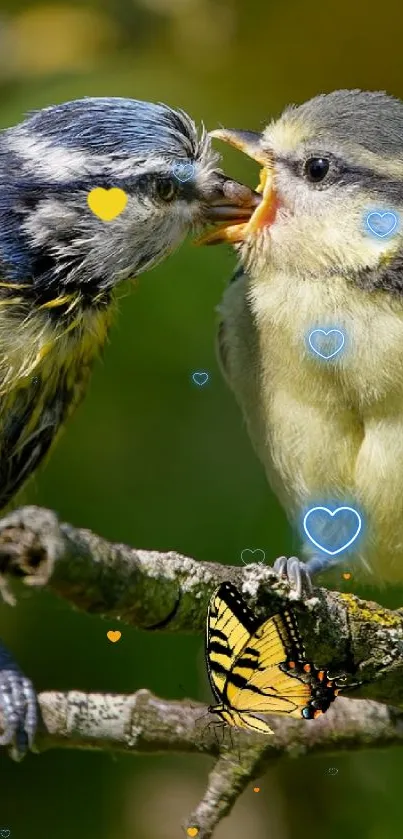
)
(316, 169)
(166, 189)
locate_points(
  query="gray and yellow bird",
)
(61, 263)
(309, 261)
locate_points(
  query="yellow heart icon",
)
(107, 204)
(113, 636)
(192, 831)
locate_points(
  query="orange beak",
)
(248, 142)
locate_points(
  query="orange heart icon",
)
(113, 636)
(192, 831)
(346, 576)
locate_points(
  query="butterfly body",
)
(260, 668)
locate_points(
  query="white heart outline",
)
(253, 550)
(323, 331)
(326, 510)
(381, 216)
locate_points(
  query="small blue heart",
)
(320, 523)
(200, 378)
(183, 171)
(333, 345)
(381, 224)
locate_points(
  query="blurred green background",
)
(152, 460)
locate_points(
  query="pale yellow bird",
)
(326, 430)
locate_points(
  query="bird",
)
(61, 263)
(327, 433)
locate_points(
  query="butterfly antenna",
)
(221, 726)
(203, 717)
(212, 724)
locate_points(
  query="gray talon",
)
(296, 573)
(18, 708)
(280, 566)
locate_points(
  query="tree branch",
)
(153, 590)
(142, 723)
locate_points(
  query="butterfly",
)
(259, 667)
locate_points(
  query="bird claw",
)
(30, 538)
(18, 708)
(41, 522)
(18, 702)
(296, 574)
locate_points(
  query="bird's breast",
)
(322, 428)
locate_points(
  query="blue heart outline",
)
(338, 510)
(381, 216)
(323, 331)
(176, 167)
(200, 373)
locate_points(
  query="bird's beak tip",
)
(249, 142)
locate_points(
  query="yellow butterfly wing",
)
(257, 683)
(230, 624)
(260, 669)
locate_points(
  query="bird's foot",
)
(18, 707)
(30, 540)
(297, 575)
(27, 539)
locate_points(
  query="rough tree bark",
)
(170, 592)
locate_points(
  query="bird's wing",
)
(222, 335)
(238, 354)
(28, 426)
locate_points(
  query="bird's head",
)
(49, 236)
(327, 165)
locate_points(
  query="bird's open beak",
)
(265, 208)
(229, 205)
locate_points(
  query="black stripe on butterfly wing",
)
(242, 670)
(230, 622)
(282, 672)
(256, 680)
(288, 630)
(272, 691)
(277, 693)
(264, 649)
(228, 596)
